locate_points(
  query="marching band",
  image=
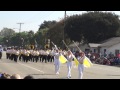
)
(46, 55)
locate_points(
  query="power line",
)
(20, 26)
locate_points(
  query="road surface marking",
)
(31, 67)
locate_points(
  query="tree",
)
(55, 34)
(21, 39)
(92, 27)
(6, 32)
(73, 28)
(30, 37)
(40, 39)
(47, 24)
(1, 40)
(41, 35)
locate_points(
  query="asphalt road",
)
(46, 70)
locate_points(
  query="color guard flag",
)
(75, 60)
(87, 63)
(62, 59)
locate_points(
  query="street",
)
(46, 70)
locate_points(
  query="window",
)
(87, 50)
(104, 50)
(94, 50)
(116, 52)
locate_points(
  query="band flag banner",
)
(62, 59)
(87, 63)
(75, 60)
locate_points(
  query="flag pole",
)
(65, 44)
(75, 59)
(77, 47)
(61, 57)
(54, 45)
(81, 51)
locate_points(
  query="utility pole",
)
(64, 27)
(20, 26)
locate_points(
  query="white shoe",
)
(57, 73)
(69, 77)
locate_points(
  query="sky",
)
(32, 19)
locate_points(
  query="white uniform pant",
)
(80, 71)
(57, 65)
(69, 66)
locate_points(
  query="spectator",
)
(15, 76)
(28, 77)
(4, 76)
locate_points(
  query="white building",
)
(111, 45)
(86, 47)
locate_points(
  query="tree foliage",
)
(55, 34)
(6, 32)
(47, 24)
(41, 36)
(92, 26)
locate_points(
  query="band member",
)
(12, 53)
(8, 53)
(48, 55)
(16, 54)
(31, 55)
(27, 53)
(51, 56)
(44, 58)
(36, 55)
(81, 58)
(69, 63)
(20, 54)
(23, 55)
(41, 54)
(57, 61)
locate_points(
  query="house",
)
(111, 45)
(108, 46)
(91, 47)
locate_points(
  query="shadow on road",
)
(53, 78)
(43, 74)
(113, 75)
(48, 78)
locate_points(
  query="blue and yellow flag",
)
(62, 59)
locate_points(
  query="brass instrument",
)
(46, 46)
(31, 46)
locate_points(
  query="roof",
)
(106, 43)
(110, 42)
(73, 45)
(94, 45)
(90, 44)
